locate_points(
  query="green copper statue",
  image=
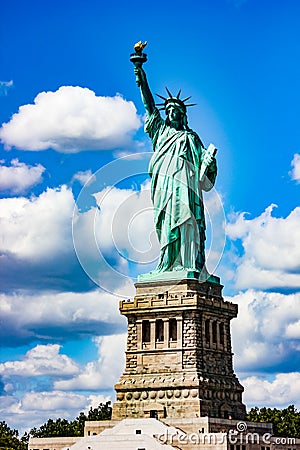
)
(180, 169)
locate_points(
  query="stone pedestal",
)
(178, 358)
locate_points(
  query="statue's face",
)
(174, 114)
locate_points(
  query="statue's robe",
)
(176, 192)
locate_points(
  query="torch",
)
(138, 58)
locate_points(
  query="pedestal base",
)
(178, 358)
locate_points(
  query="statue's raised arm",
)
(138, 58)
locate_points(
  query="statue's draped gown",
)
(176, 192)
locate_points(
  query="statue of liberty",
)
(180, 169)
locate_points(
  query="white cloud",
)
(266, 331)
(102, 373)
(295, 172)
(271, 259)
(19, 177)
(293, 330)
(60, 401)
(28, 317)
(83, 177)
(37, 228)
(36, 246)
(71, 119)
(52, 401)
(284, 390)
(40, 360)
(35, 408)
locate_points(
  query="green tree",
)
(102, 412)
(62, 427)
(9, 438)
(286, 422)
(53, 428)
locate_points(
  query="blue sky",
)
(71, 112)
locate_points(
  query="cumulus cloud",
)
(284, 390)
(63, 316)
(36, 247)
(104, 372)
(40, 360)
(52, 401)
(38, 227)
(19, 177)
(270, 257)
(295, 172)
(265, 334)
(35, 408)
(293, 330)
(70, 120)
(83, 177)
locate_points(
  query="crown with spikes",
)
(180, 103)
